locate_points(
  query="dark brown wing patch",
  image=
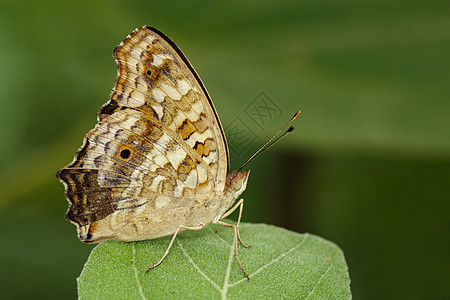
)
(90, 202)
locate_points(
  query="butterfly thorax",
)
(235, 186)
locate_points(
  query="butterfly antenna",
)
(272, 140)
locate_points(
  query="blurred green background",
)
(368, 166)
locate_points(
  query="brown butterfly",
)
(157, 162)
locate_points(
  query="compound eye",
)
(236, 185)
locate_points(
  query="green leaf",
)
(201, 264)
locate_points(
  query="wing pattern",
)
(158, 152)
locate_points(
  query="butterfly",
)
(157, 162)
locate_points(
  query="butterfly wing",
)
(158, 153)
(155, 77)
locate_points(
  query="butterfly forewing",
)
(156, 78)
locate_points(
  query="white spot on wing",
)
(157, 60)
(158, 94)
(212, 157)
(129, 121)
(141, 85)
(148, 39)
(178, 190)
(166, 56)
(171, 91)
(197, 107)
(197, 137)
(163, 142)
(183, 86)
(191, 179)
(159, 110)
(176, 155)
(136, 99)
(202, 174)
(179, 118)
(159, 161)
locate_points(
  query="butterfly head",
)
(238, 182)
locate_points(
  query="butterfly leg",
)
(236, 232)
(171, 242)
(239, 204)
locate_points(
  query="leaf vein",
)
(320, 279)
(227, 274)
(272, 261)
(198, 268)
(323, 275)
(141, 292)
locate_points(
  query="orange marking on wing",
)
(186, 129)
(205, 148)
